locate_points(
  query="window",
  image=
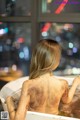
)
(15, 7)
(15, 45)
(68, 35)
(60, 6)
(22, 24)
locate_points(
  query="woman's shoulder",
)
(61, 79)
(63, 82)
(26, 83)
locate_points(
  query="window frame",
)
(38, 17)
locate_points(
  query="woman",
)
(43, 91)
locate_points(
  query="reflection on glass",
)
(15, 46)
(60, 6)
(15, 7)
(68, 35)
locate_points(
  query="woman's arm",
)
(11, 107)
(22, 108)
(69, 93)
(23, 103)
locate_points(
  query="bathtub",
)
(14, 88)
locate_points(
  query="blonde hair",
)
(45, 57)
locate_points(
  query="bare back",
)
(45, 94)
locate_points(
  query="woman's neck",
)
(48, 74)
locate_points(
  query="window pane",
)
(60, 6)
(15, 7)
(68, 35)
(15, 46)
